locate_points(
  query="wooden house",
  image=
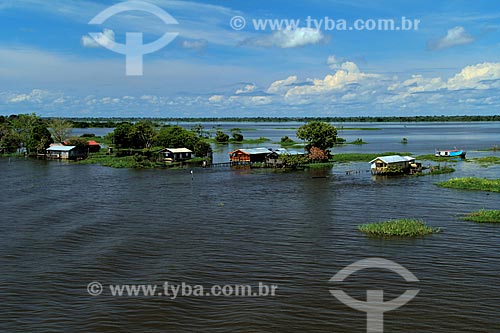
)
(249, 155)
(64, 152)
(176, 154)
(93, 146)
(393, 164)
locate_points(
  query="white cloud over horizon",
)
(346, 91)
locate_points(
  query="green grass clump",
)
(110, 161)
(494, 148)
(485, 161)
(484, 216)
(362, 157)
(399, 228)
(320, 165)
(436, 170)
(432, 157)
(358, 141)
(472, 183)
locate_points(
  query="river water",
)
(66, 225)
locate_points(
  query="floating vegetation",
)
(472, 183)
(398, 228)
(358, 141)
(494, 148)
(436, 170)
(484, 216)
(434, 158)
(363, 157)
(485, 161)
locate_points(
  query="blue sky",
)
(450, 65)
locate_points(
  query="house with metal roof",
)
(249, 155)
(176, 154)
(64, 152)
(393, 164)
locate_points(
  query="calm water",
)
(66, 225)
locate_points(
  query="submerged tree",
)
(318, 134)
(221, 137)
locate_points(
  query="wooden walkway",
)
(231, 164)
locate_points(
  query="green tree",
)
(202, 148)
(318, 134)
(143, 134)
(60, 129)
(29, 131)
(121, 135)
(200, 131)
(40, 139)
(236, 133)
(221, 137)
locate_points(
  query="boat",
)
(450, 153)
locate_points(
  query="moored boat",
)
(450, 153)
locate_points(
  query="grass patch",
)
(358, 141)
(494, 148)
(485, 161)
(472, 183)
(362, 157)
(110, 161)
(258, 140)
(398, 228)
(244, 141)
(436, 170)
(434, 158)
(484, 216)
(319, 165)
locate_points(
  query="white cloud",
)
(333, 62)
(480, 76)
(455, 36)
(281, 85)
(246, 89)
(216, 99)
(107, 37)
(347, 75)
(476, 77)
(348, 90)
(288, 38)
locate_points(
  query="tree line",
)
(112, 122)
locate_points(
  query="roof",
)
(61, 148)
(288, 152)
(393, 159)
(93, 143)
(177, 150)
(253, 151)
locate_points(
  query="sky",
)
(290, 58)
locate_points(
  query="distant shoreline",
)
(105, 121)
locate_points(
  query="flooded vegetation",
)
(399, 228)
